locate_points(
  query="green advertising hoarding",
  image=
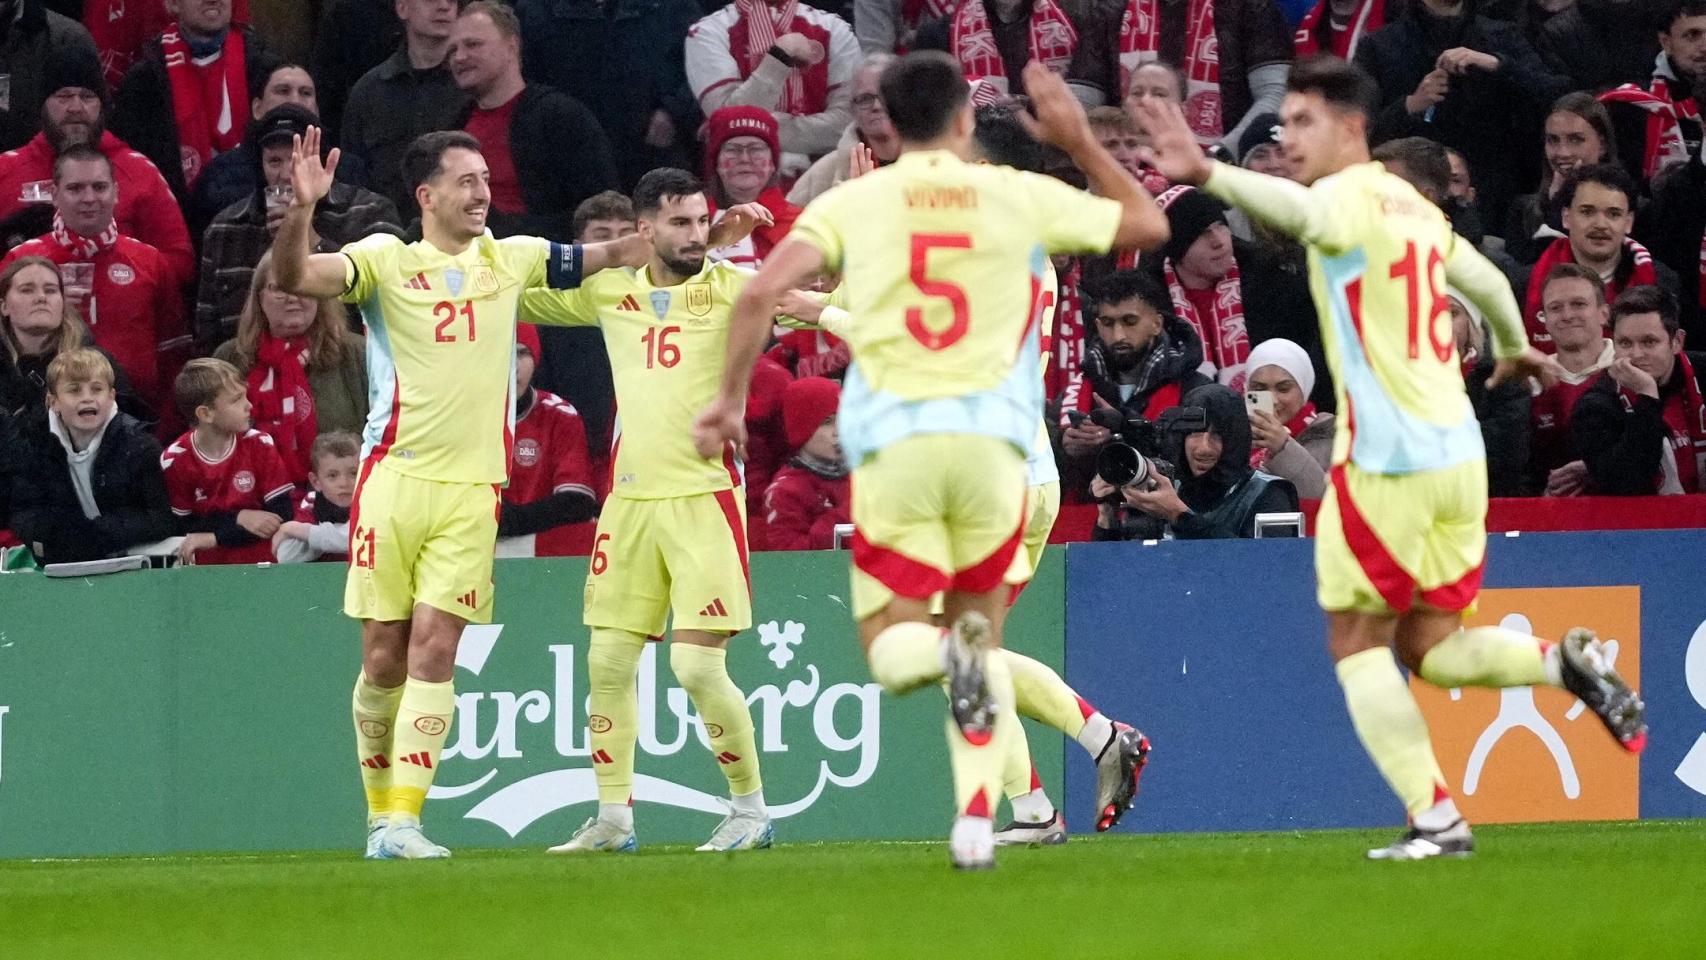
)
(207, 709)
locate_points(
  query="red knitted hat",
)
(730, 122)
(527, 338)
(808, 402)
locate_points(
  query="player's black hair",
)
(1339, 82)
(1002, 140)
(1123, 285)
(1648, 299)
(1422, 162)
(81, 152)
(662, 183)
(425, 157)
(1608, 175)
(923, 92)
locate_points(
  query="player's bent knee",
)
(613, 659)
(698, 667)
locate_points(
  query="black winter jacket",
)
(26, 46)
(129, 489)
(1623, 448)
(1505, 431)
(1600, 44)
(1672, 227)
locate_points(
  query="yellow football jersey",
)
(941, 260)
(666, 348)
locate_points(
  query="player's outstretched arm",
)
(1485, 285)
(300, 271)
(723, 422)
(628, 251)
(1060, 121)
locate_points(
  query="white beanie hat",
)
(1288, 356)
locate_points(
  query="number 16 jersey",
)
(943, 262)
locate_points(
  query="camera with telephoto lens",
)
(1132, 456)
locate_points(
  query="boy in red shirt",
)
(809, 496)
(321, 526)
(227, 484)
(550, 479)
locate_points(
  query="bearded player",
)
(940, 258)
(1402, 532)
(440, 317)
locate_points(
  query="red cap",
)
(730, 122)
(527, 338)
(808, 402)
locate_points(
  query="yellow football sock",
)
(612, 664)
(703, 673)
(1018, 773)
(423, 721)
(980, 772)
(1486, 657)
(906, 656)
(1391, 727)
(375, 710)
(1040, 693)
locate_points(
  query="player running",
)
(941, 258)
(440, 316)
(1402, 532)
(672, 537)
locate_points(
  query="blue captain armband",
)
(564, 266)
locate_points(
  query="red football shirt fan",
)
(491, 128)
(549, 457)
(245, 478)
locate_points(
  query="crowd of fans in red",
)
(156, 382)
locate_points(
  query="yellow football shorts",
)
(936, 512)
(1044, 501)
(420, 541)
(686, 554)
(1384, 541)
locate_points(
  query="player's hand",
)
(1569, 480)
(1173, 148)
(801, 306)
(862, 161)
(1633, 378)
(630, 251)
(802, 48)
(737, 223)
(1460, 60)
(721, 423)
(1056, 117)
(1267, 432)
(1429, 93)
(309, 176)
(261, 523)
(1529, 363)
(194, 542)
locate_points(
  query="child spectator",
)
(226, 482)
(809, 496)
(321, 527)
(550, 481)
(87, 479)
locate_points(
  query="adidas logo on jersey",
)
(629, 303)
(715, 609)
(419, 282)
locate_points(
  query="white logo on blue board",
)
(453, 280)
(660, 303)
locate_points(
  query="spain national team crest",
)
(453, 281)
(485, 280)
(698, 299)
(660, 303)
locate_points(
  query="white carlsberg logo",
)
(778, 709)
(3, 709)
(1692, 769)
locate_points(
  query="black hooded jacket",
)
(1601, 44)
(127, 483)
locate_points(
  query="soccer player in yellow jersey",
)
(672, 536)
(1402, 532)
(940, 258)
(440, 317)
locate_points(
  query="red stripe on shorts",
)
(902, 574)
(731, 513)
(1453, 597)
(987, 574)
(386, 438)
(1396, 586)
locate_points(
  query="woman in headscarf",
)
(1295, 441)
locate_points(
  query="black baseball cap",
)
(281, 123)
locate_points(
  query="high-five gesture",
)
(309, 176)
(1174, 149)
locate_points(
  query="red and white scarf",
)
(1641, 274)
(1066, 340)
(1685, 415)
(1295, 426)
(764, 23)
(1140, 43)
(206, 130)
(1665, 113)
(1367, 17)
(1226, 342)
(81, 248)
(284, 401)
(1053, 40)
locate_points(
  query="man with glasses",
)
(870, 133)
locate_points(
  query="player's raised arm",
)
(789, 266)
(299, 270)
(1061, 122)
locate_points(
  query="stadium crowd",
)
(156, 381)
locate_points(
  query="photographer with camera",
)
(1139, 362)
(1186, 476)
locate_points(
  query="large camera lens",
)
(1119, 464)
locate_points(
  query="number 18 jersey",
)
(942, 260)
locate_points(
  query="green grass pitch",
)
(1635, 890)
